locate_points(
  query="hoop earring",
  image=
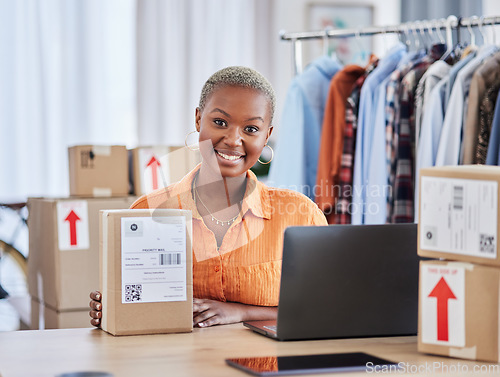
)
(186, 144)
(272, 156)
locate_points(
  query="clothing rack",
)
(449, 24)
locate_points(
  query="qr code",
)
(133, 292)
(487, 243)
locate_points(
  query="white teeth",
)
(230, 158)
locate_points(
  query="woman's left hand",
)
(211, 312)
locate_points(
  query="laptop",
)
(346, 281)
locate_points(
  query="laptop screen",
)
(349, 281)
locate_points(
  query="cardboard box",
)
(63, 263)
(146, 271)
(98, 171)
(459, 310)
(44, 317)
(458, 213)
(155, 167)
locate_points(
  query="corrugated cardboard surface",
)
(481, 314)
(180, 161)
(139, 318)
(53, 319)
(98, 171)
(476, 172)
(63, 279)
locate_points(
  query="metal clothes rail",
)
(449, 24)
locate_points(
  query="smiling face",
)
(237, 122)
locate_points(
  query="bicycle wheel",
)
(13, 271)
(9, 251)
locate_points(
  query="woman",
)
(238, 222)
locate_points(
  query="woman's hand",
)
(211, 312)
(96, 307)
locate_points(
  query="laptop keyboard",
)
(270, 328)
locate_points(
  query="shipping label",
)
(459, 216)
(154, 172)
(73, 225)
(153, 259)
(442, 290)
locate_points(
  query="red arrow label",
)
(72, 218)
(154, 163)
(442, 293)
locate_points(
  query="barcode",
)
(487, 243)
(458, 197)
(170, 258)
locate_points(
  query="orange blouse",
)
(247, 266)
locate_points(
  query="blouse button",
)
(217, 268)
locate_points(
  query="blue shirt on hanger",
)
(493, 155)
(365, 130)
(295, 162)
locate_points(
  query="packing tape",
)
(103, 263)
(101, 150)
(39, 281)
(160, 150)
(464, 265)
(463, 353)
(41, 304)
(102, 191)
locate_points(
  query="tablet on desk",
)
(308, 364)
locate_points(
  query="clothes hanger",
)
(357, 37)
(326, 42)
(481, 30)
(428, 25)
(493, 32)
(471, 32)
(438, 30)
(412, 41)
(450, 22)
(384, 40)
(410, 38)
(424, 37)
(415, 35)
(404, 34)
(426, 34)
(361, 56)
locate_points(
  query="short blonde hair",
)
(241, 77)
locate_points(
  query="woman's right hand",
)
(95, 308)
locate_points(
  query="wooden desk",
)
(198, 354)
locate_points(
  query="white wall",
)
(492, 8)
(291, 16)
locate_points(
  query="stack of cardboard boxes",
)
(459, 291)
(63, 266)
